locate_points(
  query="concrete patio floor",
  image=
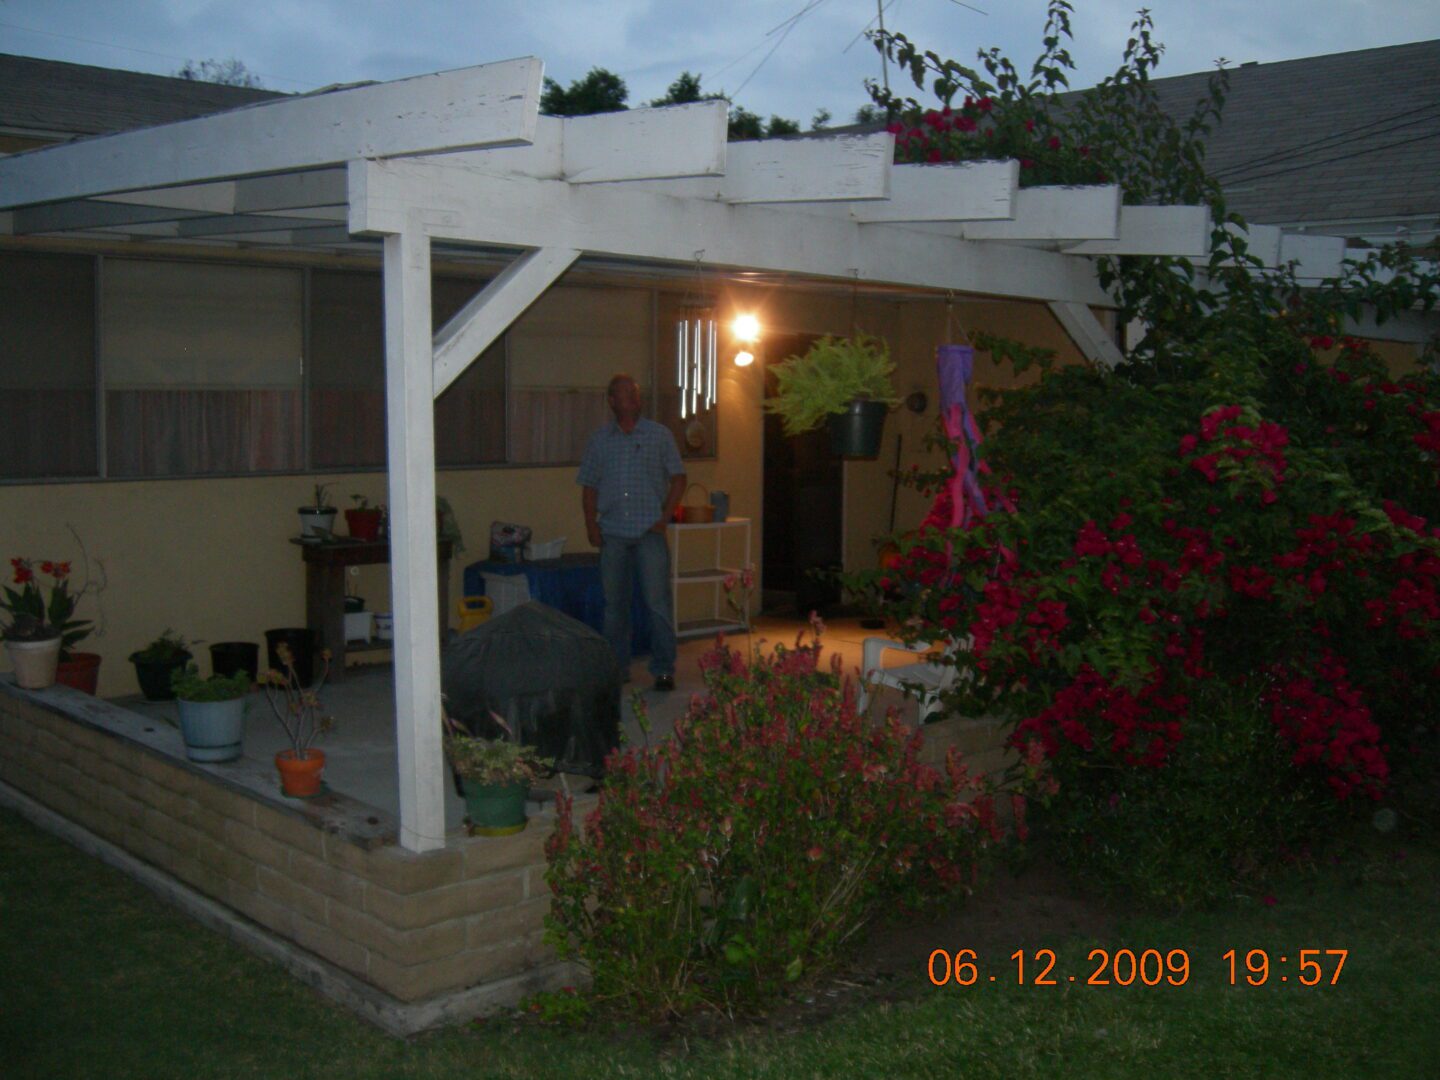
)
(360, 750)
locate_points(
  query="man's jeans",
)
(620, 560)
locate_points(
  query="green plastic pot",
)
(496, 809)
(154, 676)
(856, 432)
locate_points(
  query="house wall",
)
(211, 558)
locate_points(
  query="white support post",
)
(475, 326)
(1087, 333)
(410, 404)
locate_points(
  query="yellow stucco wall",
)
(211, 558)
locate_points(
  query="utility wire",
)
(1342, 157)
(789, 24)
(1369, 128)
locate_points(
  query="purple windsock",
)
(954, 364)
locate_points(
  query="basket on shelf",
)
(700, 513)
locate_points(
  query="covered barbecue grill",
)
(554, 680)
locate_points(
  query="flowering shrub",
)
(34, 616)
(751, 848)
(1213, 610)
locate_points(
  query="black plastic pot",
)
(856, 432)
(154, 676)
(232, 657)
(302, 651)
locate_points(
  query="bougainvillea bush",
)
(1214, 607)
(1209, 604)
(749, 850)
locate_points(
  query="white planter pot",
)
(34, 662)
(317, 523)
(213, 730)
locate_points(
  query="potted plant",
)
(40, 628)
(317, 521)
(363, 520)
(298, 710)
(157, 663)
(495, 775)
(212, 713)
(843, 382)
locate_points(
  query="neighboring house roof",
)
(1345, 144)
(48, 100)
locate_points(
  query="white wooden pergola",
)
(464, 158)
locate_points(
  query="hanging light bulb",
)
(745, 328)
(744, 358)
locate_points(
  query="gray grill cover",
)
(554, 680)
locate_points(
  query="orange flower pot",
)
(300, 777)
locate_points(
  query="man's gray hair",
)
(616, 380)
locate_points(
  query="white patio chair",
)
(930, 678)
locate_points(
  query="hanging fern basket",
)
(856, 432)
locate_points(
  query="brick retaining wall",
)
(326, 874)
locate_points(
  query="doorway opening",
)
(803, 505)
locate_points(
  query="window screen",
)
(47, 365)
(202, 368)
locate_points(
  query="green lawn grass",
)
(100, 979)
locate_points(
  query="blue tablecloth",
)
(570, 584)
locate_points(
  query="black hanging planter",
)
(856, 432)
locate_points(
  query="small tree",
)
(229, 72)
(599, 91)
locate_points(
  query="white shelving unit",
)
(712, 574)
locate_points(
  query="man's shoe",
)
(664, 682)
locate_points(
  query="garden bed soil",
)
(1032, 908)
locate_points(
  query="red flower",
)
(1054, 142)
(984, 104)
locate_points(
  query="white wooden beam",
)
(1089, 336)
(217, 198)
(88, 214)
(1262, 242)
(452, 110)
(638, 144)
(1055, 213)
(1415, 327)
(247, 223)
(476, 326)
(1182, 231)
(681, 140)
(1316, 257)
(976, 190)
(290, 191)
(788, 170)
(614, 219)
(414, 565)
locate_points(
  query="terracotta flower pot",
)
(34, 662)
(81, 672)
(300, 777)
(363, 524)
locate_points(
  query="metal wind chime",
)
(696, 350)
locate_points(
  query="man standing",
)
(632, 480)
